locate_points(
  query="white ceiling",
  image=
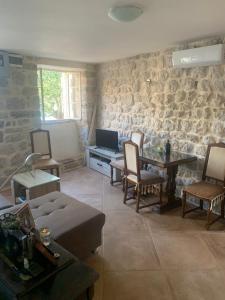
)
(80, 30)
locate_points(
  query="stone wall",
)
(20, 109)
(185, 105)
(19, 113)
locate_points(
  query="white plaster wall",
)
(65, 140)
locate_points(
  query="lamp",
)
(26, 164)
(30, 159)
(125, 13)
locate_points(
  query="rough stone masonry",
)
(185, 105)
(19, 113)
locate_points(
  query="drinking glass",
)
(45, 236)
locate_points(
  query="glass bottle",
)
(167, 147)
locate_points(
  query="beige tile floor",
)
(148, 256)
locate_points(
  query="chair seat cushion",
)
(146, 178)
(205, 190)
(118, 164)
(46, 163)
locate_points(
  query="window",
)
(60, 94)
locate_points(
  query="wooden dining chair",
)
(40, 143)
(212, 186)
(137, 137)
(137, 177)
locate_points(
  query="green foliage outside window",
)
(51, 83)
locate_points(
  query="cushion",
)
(60, 212)
(46, 163)
(118, 164)
(146, 178)
(205, 190)
(73, 224)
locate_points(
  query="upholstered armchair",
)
(212, 187)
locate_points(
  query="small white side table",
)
(33, 184)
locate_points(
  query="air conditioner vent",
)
(16, 60)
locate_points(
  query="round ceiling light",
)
(125, 13)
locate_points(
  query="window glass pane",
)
(65, 95)
(51, 81)
(60, 93)
(40, 94)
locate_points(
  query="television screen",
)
(107, 139)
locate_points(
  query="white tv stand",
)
(99, 160)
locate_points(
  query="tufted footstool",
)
(74, 225)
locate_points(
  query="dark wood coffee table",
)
(69, 280)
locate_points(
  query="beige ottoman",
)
(74, 225)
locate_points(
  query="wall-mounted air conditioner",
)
(203, 56)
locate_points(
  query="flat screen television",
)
(107, 139)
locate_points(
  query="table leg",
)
(171, 182)
(27, 194)
(58, 186)
(111, 175)
(13, 190)
(90, 293)
(172, 201)
(57, 172)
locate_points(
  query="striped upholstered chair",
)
(212, 187)
(41, 143)
(137, 137)
(138, 178)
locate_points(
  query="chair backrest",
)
(131, 155)
(40, 142)
(137, 137)
(214, 167)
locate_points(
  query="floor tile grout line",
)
(166, 269)
(153, 242)
(170, 286)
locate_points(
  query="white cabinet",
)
(99, 160)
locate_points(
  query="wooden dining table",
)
(171, 162)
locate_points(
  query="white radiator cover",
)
(202, 56)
